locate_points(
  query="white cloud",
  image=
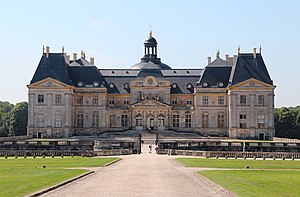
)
(97, 24)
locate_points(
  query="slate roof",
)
(87, 75)
(247, 67)
(54, 66)
(183, 81)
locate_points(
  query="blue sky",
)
(114, 31)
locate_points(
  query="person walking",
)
(150, 148)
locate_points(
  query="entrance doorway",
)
(261, 136)
(40, 135)
(151, 123)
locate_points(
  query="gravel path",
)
(143, 175)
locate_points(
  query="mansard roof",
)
(88, 76)
(247, 66)
(53, 66)
(216, 74)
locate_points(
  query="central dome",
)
(150, 40)
(150, 59)
(151, 65)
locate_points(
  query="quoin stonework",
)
(231, 97)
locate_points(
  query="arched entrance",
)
(150, 122)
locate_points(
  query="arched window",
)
(161, 120)
(139, 120)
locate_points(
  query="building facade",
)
(231, 97)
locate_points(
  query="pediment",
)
(252, 83)
(49, 83)
(150, 103)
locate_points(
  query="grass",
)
(264, 178)
(19, 177)
(239, 163)
(257, 182)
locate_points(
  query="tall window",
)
(40, 120)
(161, 120)
(138, 120)
(243, 100)
(124, 120)
(40, 98)
(95, 119)
(261, 100)
(58, 98)
(80, 100)
(188, 120)
(205, 120)
(220, 100)
(95, 100)
(189, 102)
(243, 120)
(111, 100)
(57, 120)
(174, 101)
(126, 101)
(79, 119)
(112, 120)
(261, 121)
(220, 120)
(205, 100)
(175, 120)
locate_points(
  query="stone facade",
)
(69, 98)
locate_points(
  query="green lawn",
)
(264, 178)
(240, 163)
(19, 177)
(257, 182)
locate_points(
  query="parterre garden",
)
(251, 177)
(23, 176)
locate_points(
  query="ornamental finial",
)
(150, 33)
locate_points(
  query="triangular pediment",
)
(49, 83)
(150, 103)
(252, 83)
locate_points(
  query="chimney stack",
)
(254, 53)
(47, 51)
(239, 49)
(68, 59)
(226, 57)
(82, 55)
(259, 49)
(234, 59)
(208, 60)
(74, 57)
(63, 49)
(92, 61)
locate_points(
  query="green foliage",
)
(287, 122)
(257, 182)
(18, 118)
(13, 119)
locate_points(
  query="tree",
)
(287, 122)
(5, 109)
(18, 119)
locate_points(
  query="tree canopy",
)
(287, 122)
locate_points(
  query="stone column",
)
(232, 115)
(31, 112)
(49, 110)
(252, 112)
(271, 110)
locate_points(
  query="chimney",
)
(254, 53)
(92, 61)
(239, 49)
(234, 59)
(47, 51)
(230, 60)
(82, 55)
(208, 60)
(63, 49)
(68, 59)
(74, 57)
(226, 57)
